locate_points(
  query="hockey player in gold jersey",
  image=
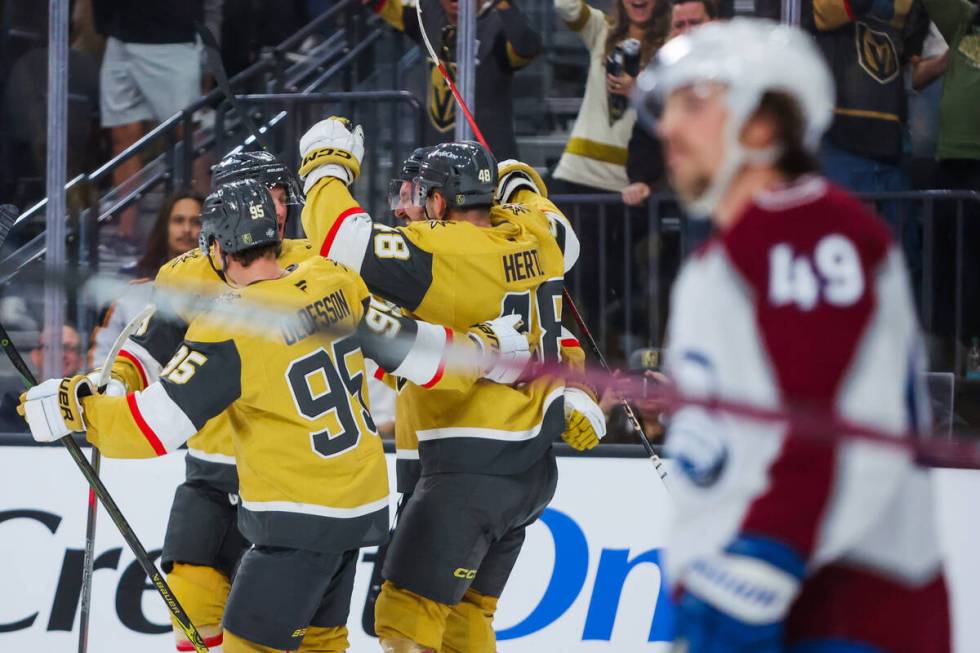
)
(486, 461)
(202, 544)
(313, 481)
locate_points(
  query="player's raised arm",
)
(519, 183)
(389, 260)
(199, 382)
(332, 150)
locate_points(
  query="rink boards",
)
(588, 578)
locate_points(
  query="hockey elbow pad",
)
(513, 176)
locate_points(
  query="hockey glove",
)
(53, 409)
(331, 148)
(737, 600)
(585, 424)
(505, 350)
(513, 176)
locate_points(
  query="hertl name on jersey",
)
(522, 265)
(316, 316)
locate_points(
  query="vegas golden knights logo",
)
(442, 108)
(876, 54)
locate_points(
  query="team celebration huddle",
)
(784, 538)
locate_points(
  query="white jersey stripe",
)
(150, 365)
(351, 241)
(407, 454)
(424, 359)
(314, 509)
(164, 417)
(490, 434)
(220, 458)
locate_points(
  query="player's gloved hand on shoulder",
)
(53, 409)
(331, 148)
(585, 424)
(113, 388)
(737, 600)
(505, 349)
(514, 175)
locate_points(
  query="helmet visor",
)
(285, 180)
(400, 194)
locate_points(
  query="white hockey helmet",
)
(750, 56)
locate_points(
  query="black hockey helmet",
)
(239, 216)
(398, 193)
(464, 171)
(260, 166)
(410, 166)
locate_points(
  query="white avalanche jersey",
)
(804, 302)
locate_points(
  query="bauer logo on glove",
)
(64, 400)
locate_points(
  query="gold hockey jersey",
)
(458, 274)
(210, 456)
(310, 463)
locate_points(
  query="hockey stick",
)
(566, 297)
(105, 374)
(630, 415)
(142, 557)
(7, 217)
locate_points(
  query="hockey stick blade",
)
(105, 374)
(139, 551)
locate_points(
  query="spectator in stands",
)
(687, 14)
(867, 45)
(958, 149)
(23, 121)
(927, 85)
(595, 156)
(71, 351)
(151, 70)
(644, 157)
(507, 43)
(594, 160)
(175, 231)
(71, 357)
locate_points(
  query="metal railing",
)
(182, 144)
(330, 64)
(630, 257)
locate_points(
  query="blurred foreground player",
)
(786, 539)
